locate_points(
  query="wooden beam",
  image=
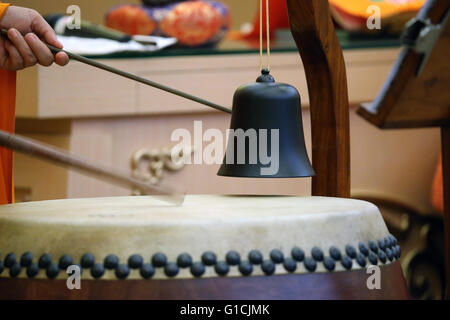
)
(318, 45)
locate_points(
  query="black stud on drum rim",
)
(208, 259)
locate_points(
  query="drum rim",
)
(383, 249)
(382, 252)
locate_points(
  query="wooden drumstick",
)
(65, 159)
(134, 77)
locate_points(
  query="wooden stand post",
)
(323, 60)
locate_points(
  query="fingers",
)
(15, 60)
(6, 61)
(23, 51)
(43, 54)
(44, 31)
(22, 46)
(3, 52)
(20, 52)
(61, 58)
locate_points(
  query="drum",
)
(211, 247)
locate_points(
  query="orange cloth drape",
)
(278, 18)
(358, 8)
(3, 7)
(437, 195)
(7, 112)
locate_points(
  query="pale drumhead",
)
(145, 225)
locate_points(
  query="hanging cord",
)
(261, 34)
(268, 35)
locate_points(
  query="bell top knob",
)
(265, 76)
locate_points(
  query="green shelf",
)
(282, 42)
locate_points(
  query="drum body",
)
(211, 247)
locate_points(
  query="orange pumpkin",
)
(192, 23)
(130, 19)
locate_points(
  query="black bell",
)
(266, 137)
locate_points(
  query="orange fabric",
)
(437, 196)
(7, 113)
(387, 7)
(3, 7)
(278, 18)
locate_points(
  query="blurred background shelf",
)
(100, 116)
(88, 92)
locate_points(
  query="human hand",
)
(19, 52)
